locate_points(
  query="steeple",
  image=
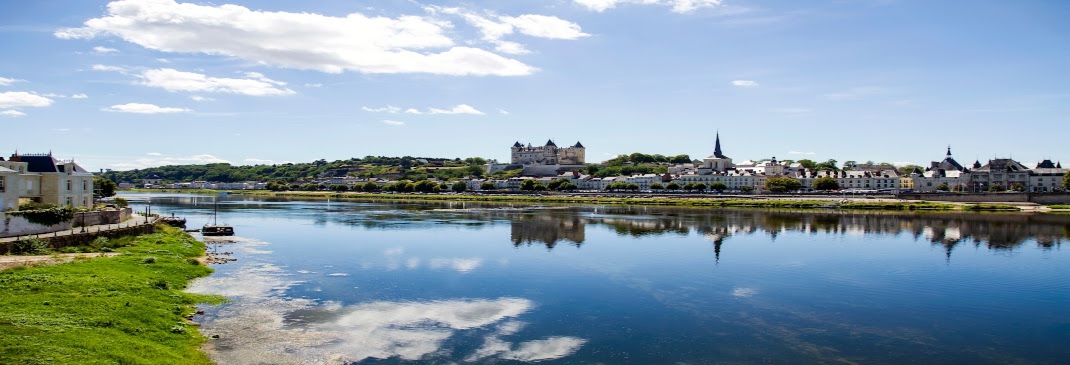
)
(948, 150)
(717, 147)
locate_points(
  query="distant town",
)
(43, 178)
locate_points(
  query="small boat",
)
(216, 229)
(174, 221)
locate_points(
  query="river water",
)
(328, 282)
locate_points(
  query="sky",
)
(140, 83)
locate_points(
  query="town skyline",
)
(109, 85)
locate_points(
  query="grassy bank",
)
(661, 200)
(126, 309)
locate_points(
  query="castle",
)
(549, 154)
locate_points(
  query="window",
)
(68, 187)
(85, 184)
(1, 184)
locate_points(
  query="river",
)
(329, 282)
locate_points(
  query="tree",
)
(996, 188)
(474, 170)
(672, 185)
(370, 187)
(808, 164)
(718, 186)
(689, 186)
(680, 159)
(1018, 187)
(425, 186)
(782, 184)
(852, 164)
(531, 185)
(487, 185)
(943, 187)
(826, 183)
(906, 170)
(656, 186)
(700, 186)
(557, 183)
(459, 187)
(103, 187)
(747, 188)
(340, 187)
(828, 165)
(1066, 181)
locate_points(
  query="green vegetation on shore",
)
(124, 309)
(661, 201)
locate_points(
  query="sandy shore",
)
(10, 261)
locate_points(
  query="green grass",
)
(125, 309)
(1059, 206)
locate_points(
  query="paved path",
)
(135, 220)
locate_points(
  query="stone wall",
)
(991, 197)
(11, 226)
(82, 239)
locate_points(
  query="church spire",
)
(717, 147)
(948, 150)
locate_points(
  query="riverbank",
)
(125, 309)
(807, 202)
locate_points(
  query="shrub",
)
(31, 246)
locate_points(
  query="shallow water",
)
(345, 282)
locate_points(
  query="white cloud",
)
(174, 80)
(459, 109)
(199, 98)
(12, 99)
(109, 68)
(153, 153)
(157, 160)
(494, 27)
(6, 81)
(140, 108)
(99, 49)
(314, 85)
(79, 96)
(854, 93)
(163, 60)
(406, 44)
(258, 161)
(387, 109)
(393, 122)
(790, 110)
(51, 95)
(12, 113)
(503, 112)
(801, 153)
(745, 83)
(678, 6)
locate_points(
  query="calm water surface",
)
(445, 283)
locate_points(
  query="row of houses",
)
(42, 178)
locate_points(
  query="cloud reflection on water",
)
(262, 325)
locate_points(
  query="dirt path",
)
(10, 261)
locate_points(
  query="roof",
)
(1046, 164)
(578, 144)
(4, 169)
(517, 144)
(550, 143)
(39, 163)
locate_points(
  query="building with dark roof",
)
(548, 154)
(45, 179)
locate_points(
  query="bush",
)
(31, 246)
(149, 260)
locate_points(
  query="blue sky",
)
(141, 83)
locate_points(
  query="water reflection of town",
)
(994, 231)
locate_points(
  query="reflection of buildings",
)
(995, 231)
(548, 230)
